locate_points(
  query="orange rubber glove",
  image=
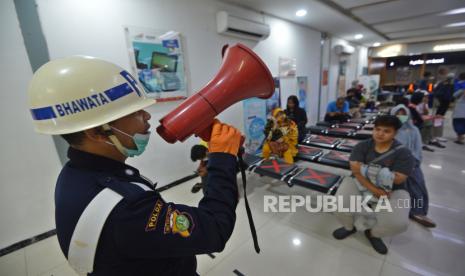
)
(224, 138)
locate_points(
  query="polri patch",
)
(153, 219)
(181, 223)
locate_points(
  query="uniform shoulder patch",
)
(153, 219)
(180, 223)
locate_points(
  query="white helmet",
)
(77, 93)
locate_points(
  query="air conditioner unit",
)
(344, 50)
(228, 24)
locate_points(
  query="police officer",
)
(109, 219)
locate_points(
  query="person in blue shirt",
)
(337, 111)
(109, 218)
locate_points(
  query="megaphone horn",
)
(242, 75)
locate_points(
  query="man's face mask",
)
(140, 140)
(403, 118)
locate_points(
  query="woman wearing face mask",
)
(410, 136)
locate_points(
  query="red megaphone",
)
(242, 75)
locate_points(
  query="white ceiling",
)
(378, 20)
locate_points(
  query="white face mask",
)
(403, 118)
(140, 140)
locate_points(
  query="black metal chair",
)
(316, 180)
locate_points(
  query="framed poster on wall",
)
(287, 67)
(302, 83)
(275, 100)
(254, 124)
(371, 84)
(341, 86)
(157, 61)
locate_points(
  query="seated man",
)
(391, 155)
(337, 111)
(280, 137)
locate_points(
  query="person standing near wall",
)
(109, 218)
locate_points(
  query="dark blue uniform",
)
(144, 235)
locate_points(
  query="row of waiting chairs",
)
(293, 174)
(319, 148)
(355, 128)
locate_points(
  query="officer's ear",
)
(96, 134)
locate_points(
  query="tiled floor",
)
(301, 243)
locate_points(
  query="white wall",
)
(326, 65)
(355, 63)
(96, 28)
(294, 41)
(29, 162)
(362, 59)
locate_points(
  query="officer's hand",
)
(224, 138)
(202, 171)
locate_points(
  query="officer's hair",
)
(388, 121)
(75, 138)
(198, 152)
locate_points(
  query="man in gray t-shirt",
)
(400, 163)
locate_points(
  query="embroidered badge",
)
(153, 219)
(177, 222)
